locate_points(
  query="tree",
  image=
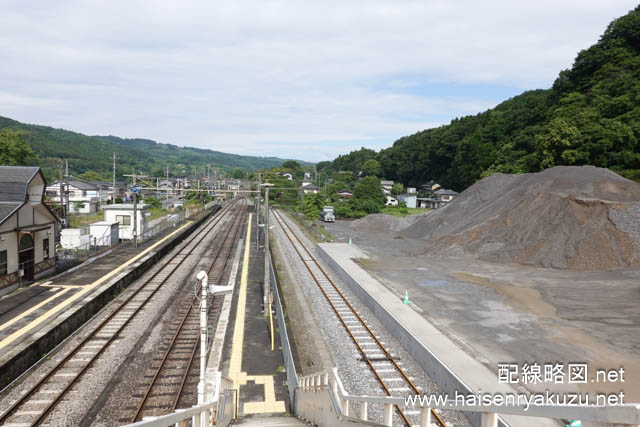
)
(397, 189)
(372, 168)
(153, 201)
(91, 176)
(368, 195)
(312, 205)
(291, 164)
(238, 173)
(13, 150)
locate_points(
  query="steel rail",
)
(24, 398)
(218, 279)
(415, 389)
(179, 332)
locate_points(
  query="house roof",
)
(14, 181)
(430, 183)
(14, 184)
(386, 182)
(7, 208)
(344, 192)
(310, 187)
(82, 185)
(447, 192)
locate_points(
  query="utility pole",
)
(135, 206)
(135, 210)
(67, 216)
(204, 284)
(167, 195)
(113, 189)
(61, 188)
(267, 278)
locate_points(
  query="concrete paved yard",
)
(509, 313)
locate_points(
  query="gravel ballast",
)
(354, 373)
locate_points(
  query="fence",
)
(70, 257)
(324, 390)
(289, 364)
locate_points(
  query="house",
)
(445, 196)
(106, 188)
(391, 201)
(426, 203)
(429, 187)
(307, 175)
(287, 175)
(408, 199)
(386, 186)
(310, 189)
(122, 213)
(165, 189)
(344, 194)
(27, 227)
(305, 182)
(84, 196)
(439, 199)
(411, 190)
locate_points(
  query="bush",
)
(153, 201)
(403, 210)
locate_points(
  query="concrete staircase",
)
(269, 421)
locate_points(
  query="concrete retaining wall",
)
(76, 316)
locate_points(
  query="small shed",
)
(408, 199)
(122, 213)
(74, 238)
(104, 233)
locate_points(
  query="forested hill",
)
(94, 153)
(591, 115)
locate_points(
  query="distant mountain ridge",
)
(94, 153)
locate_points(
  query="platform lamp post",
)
(267, 278)
(204, 284)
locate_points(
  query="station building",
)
(27, 227)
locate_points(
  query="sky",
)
(294, 79)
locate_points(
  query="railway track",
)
(37, 402)
(382, 364)
(173, 381)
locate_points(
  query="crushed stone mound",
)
(376, 223)
(569, 217)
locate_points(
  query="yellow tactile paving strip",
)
(85, 290)
(240, 378)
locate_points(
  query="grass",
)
(396, 211)
(157, 213)
(83, 220)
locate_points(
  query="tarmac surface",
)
(509, 313)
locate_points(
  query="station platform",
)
(438, 354)
(37, 317)
(249, 360)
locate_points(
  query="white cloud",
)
(285, 78)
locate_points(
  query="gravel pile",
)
(376, 223)
(568, 217)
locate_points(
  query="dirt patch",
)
(583, 218)
(383, 222)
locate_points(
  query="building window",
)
(123, 219)
(3, 263)
(45, 249)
